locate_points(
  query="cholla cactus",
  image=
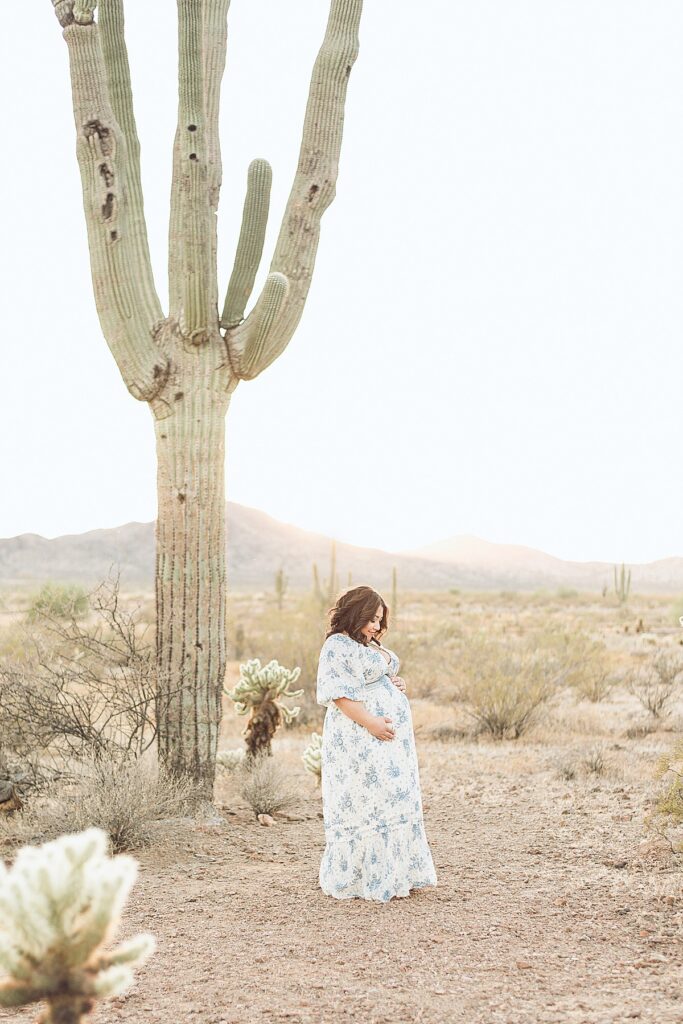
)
(260, 691)
(229, 759)
(59, 904)
(312, 757)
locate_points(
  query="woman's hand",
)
(398, 681)
(380, 726)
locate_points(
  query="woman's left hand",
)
(398, 681)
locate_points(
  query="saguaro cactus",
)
(187, 363)
(622, 583)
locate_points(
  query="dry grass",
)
(133, 801)
(266, 785)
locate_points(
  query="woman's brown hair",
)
(354, 609)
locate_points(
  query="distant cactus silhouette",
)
(326, 593)
(260, 691)
(59, 905)
(622, 584)
(280, 587)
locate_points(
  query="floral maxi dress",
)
(375, 842)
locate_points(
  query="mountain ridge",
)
(258, 545)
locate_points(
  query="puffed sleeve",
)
(339, 671)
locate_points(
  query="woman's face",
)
(372, 627)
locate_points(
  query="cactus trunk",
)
(191, 584)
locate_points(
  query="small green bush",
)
(503, 686)
(59, 601)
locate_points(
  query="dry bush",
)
(80, 690)
(266, 785)
(657, 684)
(593, 760)
(640, 731)
(670, 768)
(61, 601)
(579, 662)
(567, 769)
(132, 801)
(447, 733)
(503, 686)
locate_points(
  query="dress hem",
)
(379, 899)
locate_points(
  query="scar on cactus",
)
(260, 691)
(60, 904)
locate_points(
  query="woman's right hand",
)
(381, 727)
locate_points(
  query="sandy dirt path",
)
(544, 911)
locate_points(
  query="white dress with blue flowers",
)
(375, 842)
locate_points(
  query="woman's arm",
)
(378, 725)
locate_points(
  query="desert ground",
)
(560, 891)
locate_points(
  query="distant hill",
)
(258, 545)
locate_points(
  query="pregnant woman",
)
(375, 842)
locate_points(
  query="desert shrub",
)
(446, 733)
(657, 684)
(578, 662)
(566, 769)
(640, 731)
(80, 690)
(676, 611)
(61, 601)
(503, 686)
(128, 799)
(566, 593)
(593, 760)
(668, 803)
(265, 784)
(229, 760)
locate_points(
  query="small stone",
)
(266, 819)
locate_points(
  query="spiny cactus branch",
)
(215, 41)
(59, 904)
(312, 192)
(250, 244)
(125, 311)
(192, 180)
(115, 55)
(248, 351)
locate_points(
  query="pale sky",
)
(496, 309)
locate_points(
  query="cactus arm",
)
(250, 244)
(115, 54)
(202, 43)
(115, 261)
(248, 361)
(312, 192)
(215, 41)
(192, 181)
